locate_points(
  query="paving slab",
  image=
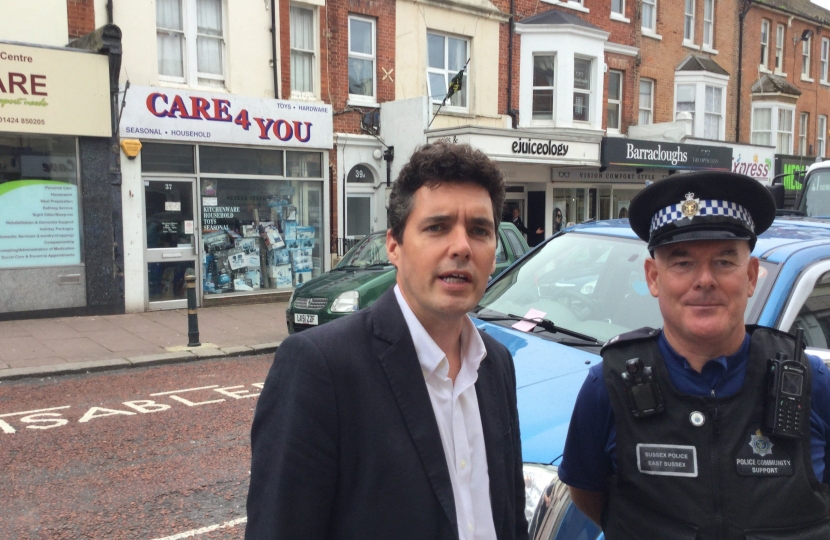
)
(161, 358)
(62, 369)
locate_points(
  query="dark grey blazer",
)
(345, 444)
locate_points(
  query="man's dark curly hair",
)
(434, 164)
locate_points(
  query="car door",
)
(808, 308)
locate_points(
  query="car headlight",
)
(537, 478)
(346, 302)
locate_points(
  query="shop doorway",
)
(171, 247)
(535, 217)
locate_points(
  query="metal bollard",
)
(192, 318)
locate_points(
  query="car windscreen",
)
(370, 251)
(587, 283)
(815, 201)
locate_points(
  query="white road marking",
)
(36, 411)
(185, 390)
(203, 530)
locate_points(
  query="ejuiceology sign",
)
(183, 115)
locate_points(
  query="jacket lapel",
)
(491, 406)
(403, 371)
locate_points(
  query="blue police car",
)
(587, 285)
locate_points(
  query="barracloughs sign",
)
(635, 153)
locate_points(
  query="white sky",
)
(823, 3)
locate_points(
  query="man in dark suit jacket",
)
(362, 431)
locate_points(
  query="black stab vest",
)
(721, 480)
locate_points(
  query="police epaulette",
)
(641, 333)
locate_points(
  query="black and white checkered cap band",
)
(707, 207)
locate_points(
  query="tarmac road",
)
(151, 453)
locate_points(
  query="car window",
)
(814, 315)
(589, 283)
(501, 256)
(372, 250)
(515, 243)
(815, 200)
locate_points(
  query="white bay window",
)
(190, 42)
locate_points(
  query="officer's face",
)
(447, 252)
(703, 288)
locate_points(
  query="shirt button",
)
(470, 527)
(463, 463)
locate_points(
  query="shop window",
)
(446, 57)
(167, 158)
(821, 136)
(646, 102)
(762, 126)
(615, 88)
(713, 115)
(303, 164)
(361, 59)
(582, 90)
(259, 234)
(543, 86)
(226, 160)
(708, 24)
(779, 48)
(764, 44)
(650, 16)
(39, 201)
(806, 46)
(303, 50)
(190, 41)
(803, 121)
(689, 22)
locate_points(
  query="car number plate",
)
(305, 318)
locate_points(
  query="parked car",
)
(588, 282)
(364, 274)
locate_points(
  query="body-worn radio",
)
(784, 406)
(644, 395)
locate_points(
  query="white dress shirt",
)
(459, 422)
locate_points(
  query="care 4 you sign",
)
(193, 116)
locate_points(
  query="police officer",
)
(669, 437)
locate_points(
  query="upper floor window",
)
(303, 50)
(702, 95)
(821, 136)
(803, 122)
(361, 58)
(764, 43)
(784, 131)
(614, 107)
(650, 15)
(779, 47)
(543, 81)
(582, 90)
(805, 57)
(618, 7)
(713, 116)
(762, 126)
(708, 24)
(646, 101)
(825, 53)
(190, 41)
(686, 102)
(689, 21)
(446, 57)
(773, 119)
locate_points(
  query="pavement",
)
(43, 347)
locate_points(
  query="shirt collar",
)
(430, 354)
(726, 363)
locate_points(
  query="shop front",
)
(231, 189)
(529, 160)
(55, 191)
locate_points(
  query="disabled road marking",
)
(203, 530)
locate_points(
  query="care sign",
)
(54, 91)
(185, 115)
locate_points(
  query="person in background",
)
(623, 213)
(557, 220)
(517, 221)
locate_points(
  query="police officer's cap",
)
(702, 206)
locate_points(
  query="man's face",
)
(703, 287)
(447, 252)
(515, 213)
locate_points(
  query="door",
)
(358, 215)
(171, 250)
(536, 217)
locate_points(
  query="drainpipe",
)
(511, 112)
(741, 16)
(109, 12)
(274, 35)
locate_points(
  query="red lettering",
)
(289, 131)
(220, 110)
(264, 127)
(2, 88)
(180, 108)
(21, 80)
(199, 108)
(298, 133)
(35, 84)
(151, 104)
